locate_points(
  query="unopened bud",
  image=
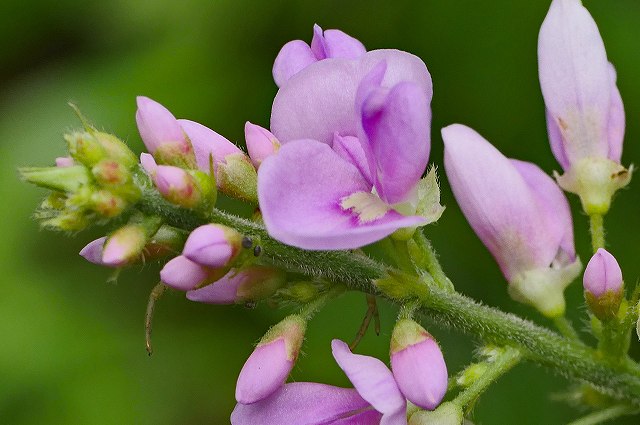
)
(84, 148)
(239, 287)
(261, 143)
(418, 365)
(124, 245)
(300, 292)
(213, 245)
(92, 252)
(603, 285)
(64, 161)
(116, 149)
(167, 240)
(109, 172)
(238, 178)
(177, 186)
(107, 204)
(267, 368)
(183, 274)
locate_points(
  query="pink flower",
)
(315, 197)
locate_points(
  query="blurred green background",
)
(71, 344)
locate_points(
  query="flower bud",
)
(603, 285)
(238, 178)
(167, 240)
(124, 245)
(260, 143)
(418, 365)
(63, 179)
(64, 161)
(109, 172)
(84, 148)
(92, 252)
(268, 366)
(107, 204)
(162, 134)
(177, 186)
(213, 245)
(238, 287)
(183, 274)
(448, 413)
(115, 149)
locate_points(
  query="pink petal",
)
(156, 124)
(552, 203)
(497, 202)
(421, 373)
(616, 124)
(397, 125)
(302, 403)
(335, 44)
(148, 163)
(294, 56)
(602, 274)
(300, 191)
(92, 252)
(209, 246)
(222, 291)
(373, 380)
(260, 143)
(64, 161)
(264, 372)
(206, 143)
(575, 79)
(320, 100)
(350, 149)
(183, 274)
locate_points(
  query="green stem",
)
(506, 360)
(604, 415)
(454, 310)
(566, 328)
(596, 227)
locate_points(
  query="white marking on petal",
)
(367, 206)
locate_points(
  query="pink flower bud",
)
(92, 252)
(212, 245)
(183, 274)
(260, 143)
(177, 186)
(267, 368)
(124, 245)
(603, 284)
(157, 125)
(252, 284)
(64, 161)
(418, 365)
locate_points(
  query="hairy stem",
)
(565, 327)
(605, 415)
(507, 359)
(596, 227)
(358, 272)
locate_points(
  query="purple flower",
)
(585, 114)
(376, 398)
(236, 287)
(268, 367)
(519, 213)
(92, 252)
(296, 55)
(316, 197)
(603, 284)
(418, 365)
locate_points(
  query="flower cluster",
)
(344, 165)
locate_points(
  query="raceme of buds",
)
(418, 365)
(261, 143)
(213, 245)
(267, 368)
(250, 284)
(519, 213)
(585, 113)
(297, 55)
(374, 173)
(603, 285)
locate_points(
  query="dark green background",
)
(71, 345)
